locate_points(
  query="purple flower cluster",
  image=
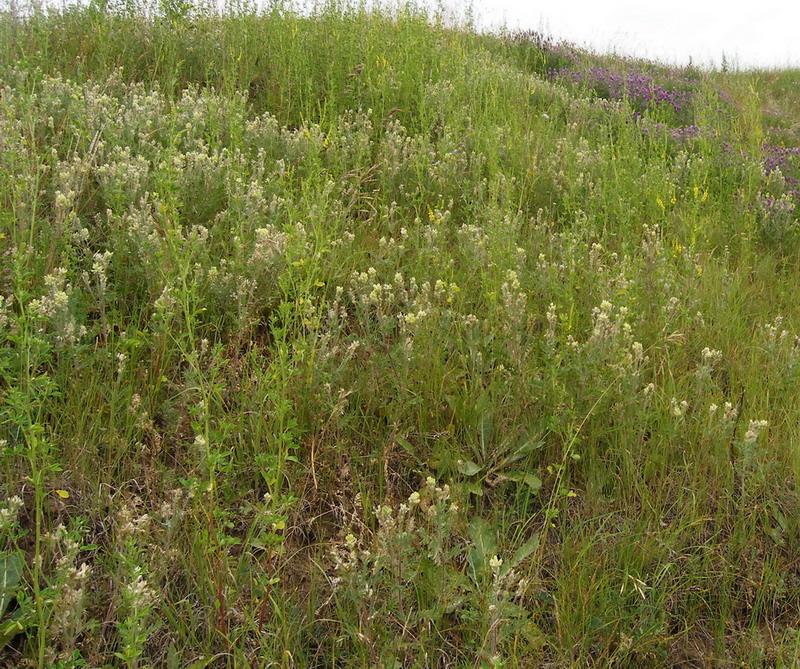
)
(681, 134)
(779, 201)
(685, 133)
(673, 90)
(773, 205)
(785, 159)
(664, 103)
(778, 206)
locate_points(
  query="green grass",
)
(351, 338)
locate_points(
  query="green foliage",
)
(351, 337)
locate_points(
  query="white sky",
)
(760, 33)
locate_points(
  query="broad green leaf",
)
(474, 488)
(482, 535)
(526, 447)
(15, 625)
(468, 467)
(525, 550)
(406, 444)
(11, 566)
(529, 479)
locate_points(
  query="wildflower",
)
(54, 308)
(5, 311)
(100, 268)
(81, 236)
(129, 524)
(552, 318)
(730, 413)
(636, 355)
(140, 594)
(8, 515)
(604, 327)
(711, 358)
(671, 307)
(121, 358)
(166, 301)
(678, 409)
(754, 430)
(270, 244)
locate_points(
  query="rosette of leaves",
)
(494, 458)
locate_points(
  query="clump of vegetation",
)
(356, 338)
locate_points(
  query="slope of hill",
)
(353, 338)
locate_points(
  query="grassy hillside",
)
(353, 339)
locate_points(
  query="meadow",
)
(357, 337)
